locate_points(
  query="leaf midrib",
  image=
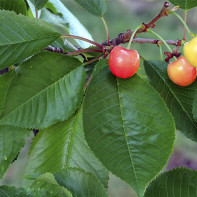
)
(131, 158)
(27, 41)
(174, 96)
(11, 112)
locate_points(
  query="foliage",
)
(89, 122)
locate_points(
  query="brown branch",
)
(153, 41)
(164, 12)
(85, 50)
(125, 37)
(118, 40)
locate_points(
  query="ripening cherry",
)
(123, 63)
(190, 51)
(181, 72)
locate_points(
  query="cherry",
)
(190, 51)
(181, 72)
(123, 63)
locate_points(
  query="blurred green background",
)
(120, 16)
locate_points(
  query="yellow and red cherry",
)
(181, 72)
(190, 51)
(123, 63)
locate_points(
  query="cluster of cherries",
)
(124, 63)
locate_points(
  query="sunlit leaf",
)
(22, 37)
(47, 88)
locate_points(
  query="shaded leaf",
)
(185, 4)
(48, 183)
(194, 109)
(47, 88)
(179, 182)
(39, 4)
(5, 81)
(63, 145)
(22, 37)
(178, 99)
(95, 7)
(12, 139)
(132, 135)
(16, 5)
(80, 183)
(8, 191)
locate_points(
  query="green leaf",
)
(7, 191)
(12, 139)
(179, 182)
(185, 4)
(47, 88)
(66, 19)
(17, 6)
(178, 99)
(22, 37)
(39, 4)
(194, 109)
(80, 183)
(5, 81)
(95, 7)
(63, 145)
(48, 183)
(128, 126)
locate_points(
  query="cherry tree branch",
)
(125, 37)
(154, 41)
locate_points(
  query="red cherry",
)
(181, 72)
(123, 63)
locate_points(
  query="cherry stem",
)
(161, 52)
(85, 50)
(182, 21)
(88, 81)
(36, 13)
(106, 29)
(84, 39)
(154, 41)
(164, 42)
(185, 20)
(132, 36)
(93, 60)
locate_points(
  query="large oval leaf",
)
(63, 145)
(12, 139)
(95, 7)
(80, 183)
(17, 6)
(128, 126)
(178, 99)
(22, 37)
(185, 4)
(47, 88)
(180, 182)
